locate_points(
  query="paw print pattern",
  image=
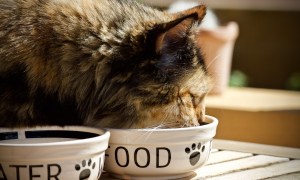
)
(194, 152)
(85, 169)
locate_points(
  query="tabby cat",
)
(105, 63)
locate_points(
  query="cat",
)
(102, 63)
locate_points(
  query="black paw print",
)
(85, 172)
(195, 156)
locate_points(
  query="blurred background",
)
(267, 50)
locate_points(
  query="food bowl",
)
(52, 153)
(159, 153)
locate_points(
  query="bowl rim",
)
(102, 135)
(214, 122)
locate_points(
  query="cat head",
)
(164, 83)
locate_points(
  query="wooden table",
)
(241, 160)
(263, 116)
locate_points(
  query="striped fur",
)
(108, 63)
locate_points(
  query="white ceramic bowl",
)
(52, 153)
(159, 153)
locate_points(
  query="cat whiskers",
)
(151, 129)
(212, 61)
(165, 124)
(147, 133)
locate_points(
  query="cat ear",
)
(171, 32)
